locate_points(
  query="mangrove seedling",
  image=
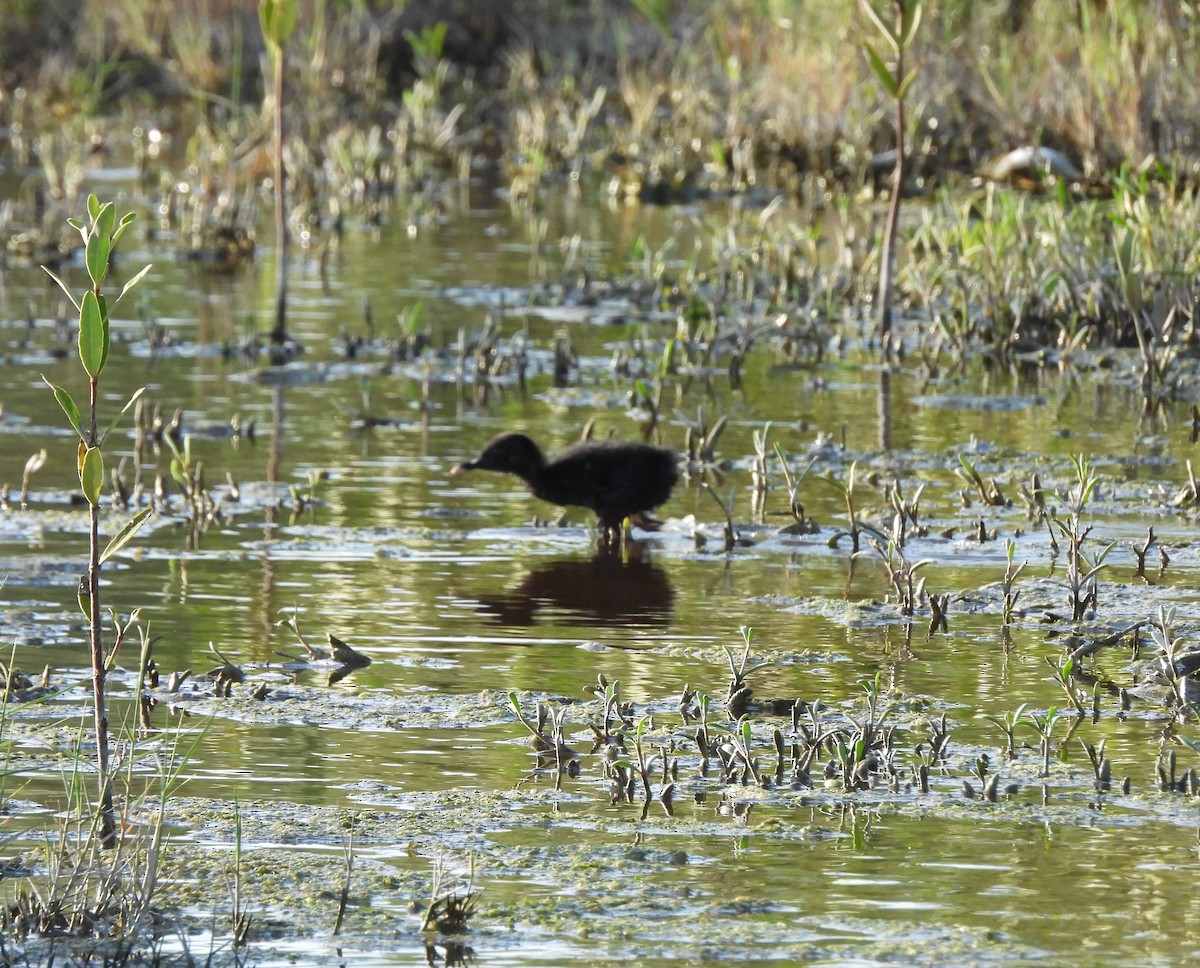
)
(1101, 764)
(792, 483)
(32, 466)
(1043, 724)
(902, 574)
(855, 527)
(278, 21)
(100, 236)
(1063, 669)
(1008, 723)
(700, 440)
(866, 749)
(939, 740)
(738, 762)
(1081, 570)
(641, 766)
(1190, 492)
(704, 745)
(240, 917)
(1034, 497)
(895, 80)
(1011, 574)
(852, 765)
(808, 738)
(612, 710)
(1188, 783)
(452, 898)
(1176, 663)
(547, 733)
(905, 513)
(738, 697)
(1140, 552)
(726, 506)
(989, 492)
(1165, 768)
(689, 707)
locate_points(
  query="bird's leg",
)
(642, 520)
(609, 539)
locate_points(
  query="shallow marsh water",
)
(459, 600)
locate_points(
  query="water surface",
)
(462, 590)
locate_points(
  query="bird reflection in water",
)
(599, 591)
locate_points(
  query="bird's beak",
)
(463, 467)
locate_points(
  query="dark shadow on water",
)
(600, 591)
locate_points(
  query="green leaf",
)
(93, 207)
(112, 423)
(834, 483)
(884, 30)
(91, 335)
(91, 475)
(120, 229)
(133, 399)
(278, 19)
(132, 282)
(103, 303)
(905, 84)
(121, 538)
(911, 23)
(99, 241)
(106, 220)
(79, 227)
(68, 406)
(96, 255)
(63, 286)
(883, 73)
